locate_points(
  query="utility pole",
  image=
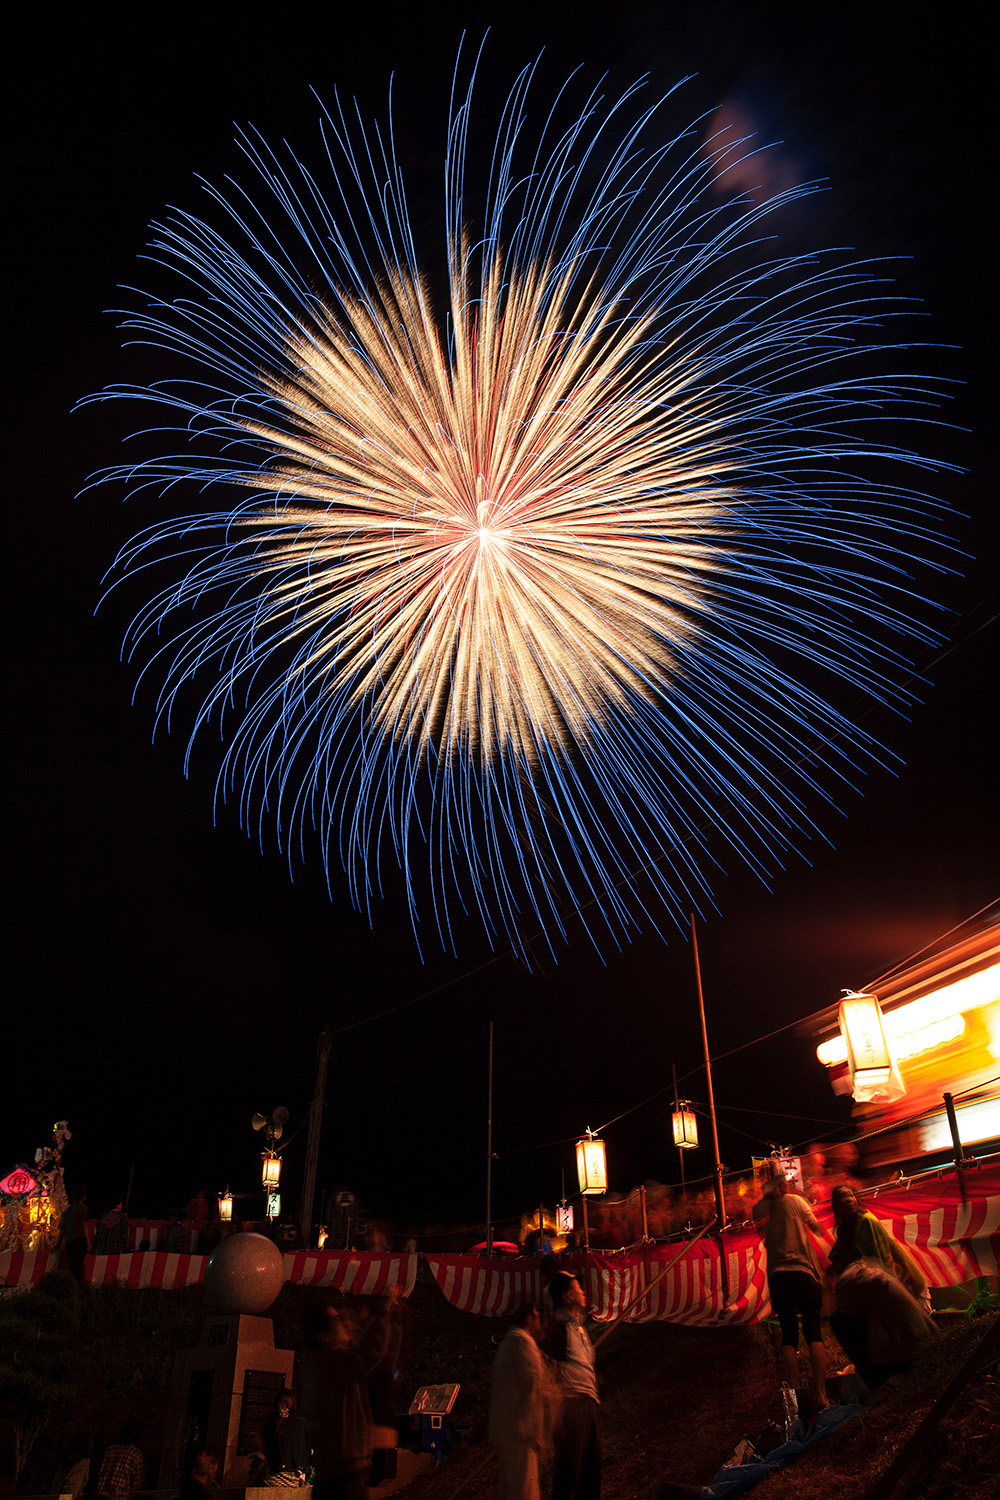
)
(315, 1128)
(489, 1149)
(720, 1202)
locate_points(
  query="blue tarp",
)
(735, 1478)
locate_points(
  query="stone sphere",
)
(244, 1275)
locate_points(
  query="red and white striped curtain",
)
(953, 1242)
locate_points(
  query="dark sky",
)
(166, 979)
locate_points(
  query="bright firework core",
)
(559, 586)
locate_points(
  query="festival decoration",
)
(591, 1165)
(571, 577)
(685, 1126)
(33, 1202)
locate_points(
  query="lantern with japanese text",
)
(868, 1055)
(591, 1165)
(226, 1207)
(270, 1170)
(685, 1126)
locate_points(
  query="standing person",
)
(523, 1400)
(123, 1467)
(577, 1443)
(197, 1215)
(861, 1236)
(795, 1279)
(111, 1235)
(176, 1238)
(335, 1399)
(286, 1438)
(73, 1233)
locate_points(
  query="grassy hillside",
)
(675, 1399)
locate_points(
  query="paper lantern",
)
(685, 1126)
(591, 1165)
(271, 1170)
(868, 1053)
(226, 1207)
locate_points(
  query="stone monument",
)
(227, 1387)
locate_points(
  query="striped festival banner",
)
(361, 1274)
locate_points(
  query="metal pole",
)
(586, 1225)
(720, 1204)
(645, 1224)
(489, 1149)
(312, 1143)
(949, 1104)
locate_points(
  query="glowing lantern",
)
(226, 1207)
(868, 1053)
(591, 1165)
(271, 1170)
(321, 1238)
(685, 1126)
(18, 1181)
(273, 1205)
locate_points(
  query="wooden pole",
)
(315, 1130)
(720, 1203)
(489, 1148)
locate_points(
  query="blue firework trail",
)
(533, 595)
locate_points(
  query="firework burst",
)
(543, 592)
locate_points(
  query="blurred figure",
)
(382, 1394)
(199, 1476)
(73, 1233)
(523, 1403)
(176, 1238)
(335, 1400)
(258, 1468)
(111, 1234)
(123, 1467)
(197, 1215)
(548, 1267)
(794, 1279)
(286, 1438)
(861, 1236)
(576, 1441)
(879, 1324)
(73, 1474)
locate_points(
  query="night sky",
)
(166, 979)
